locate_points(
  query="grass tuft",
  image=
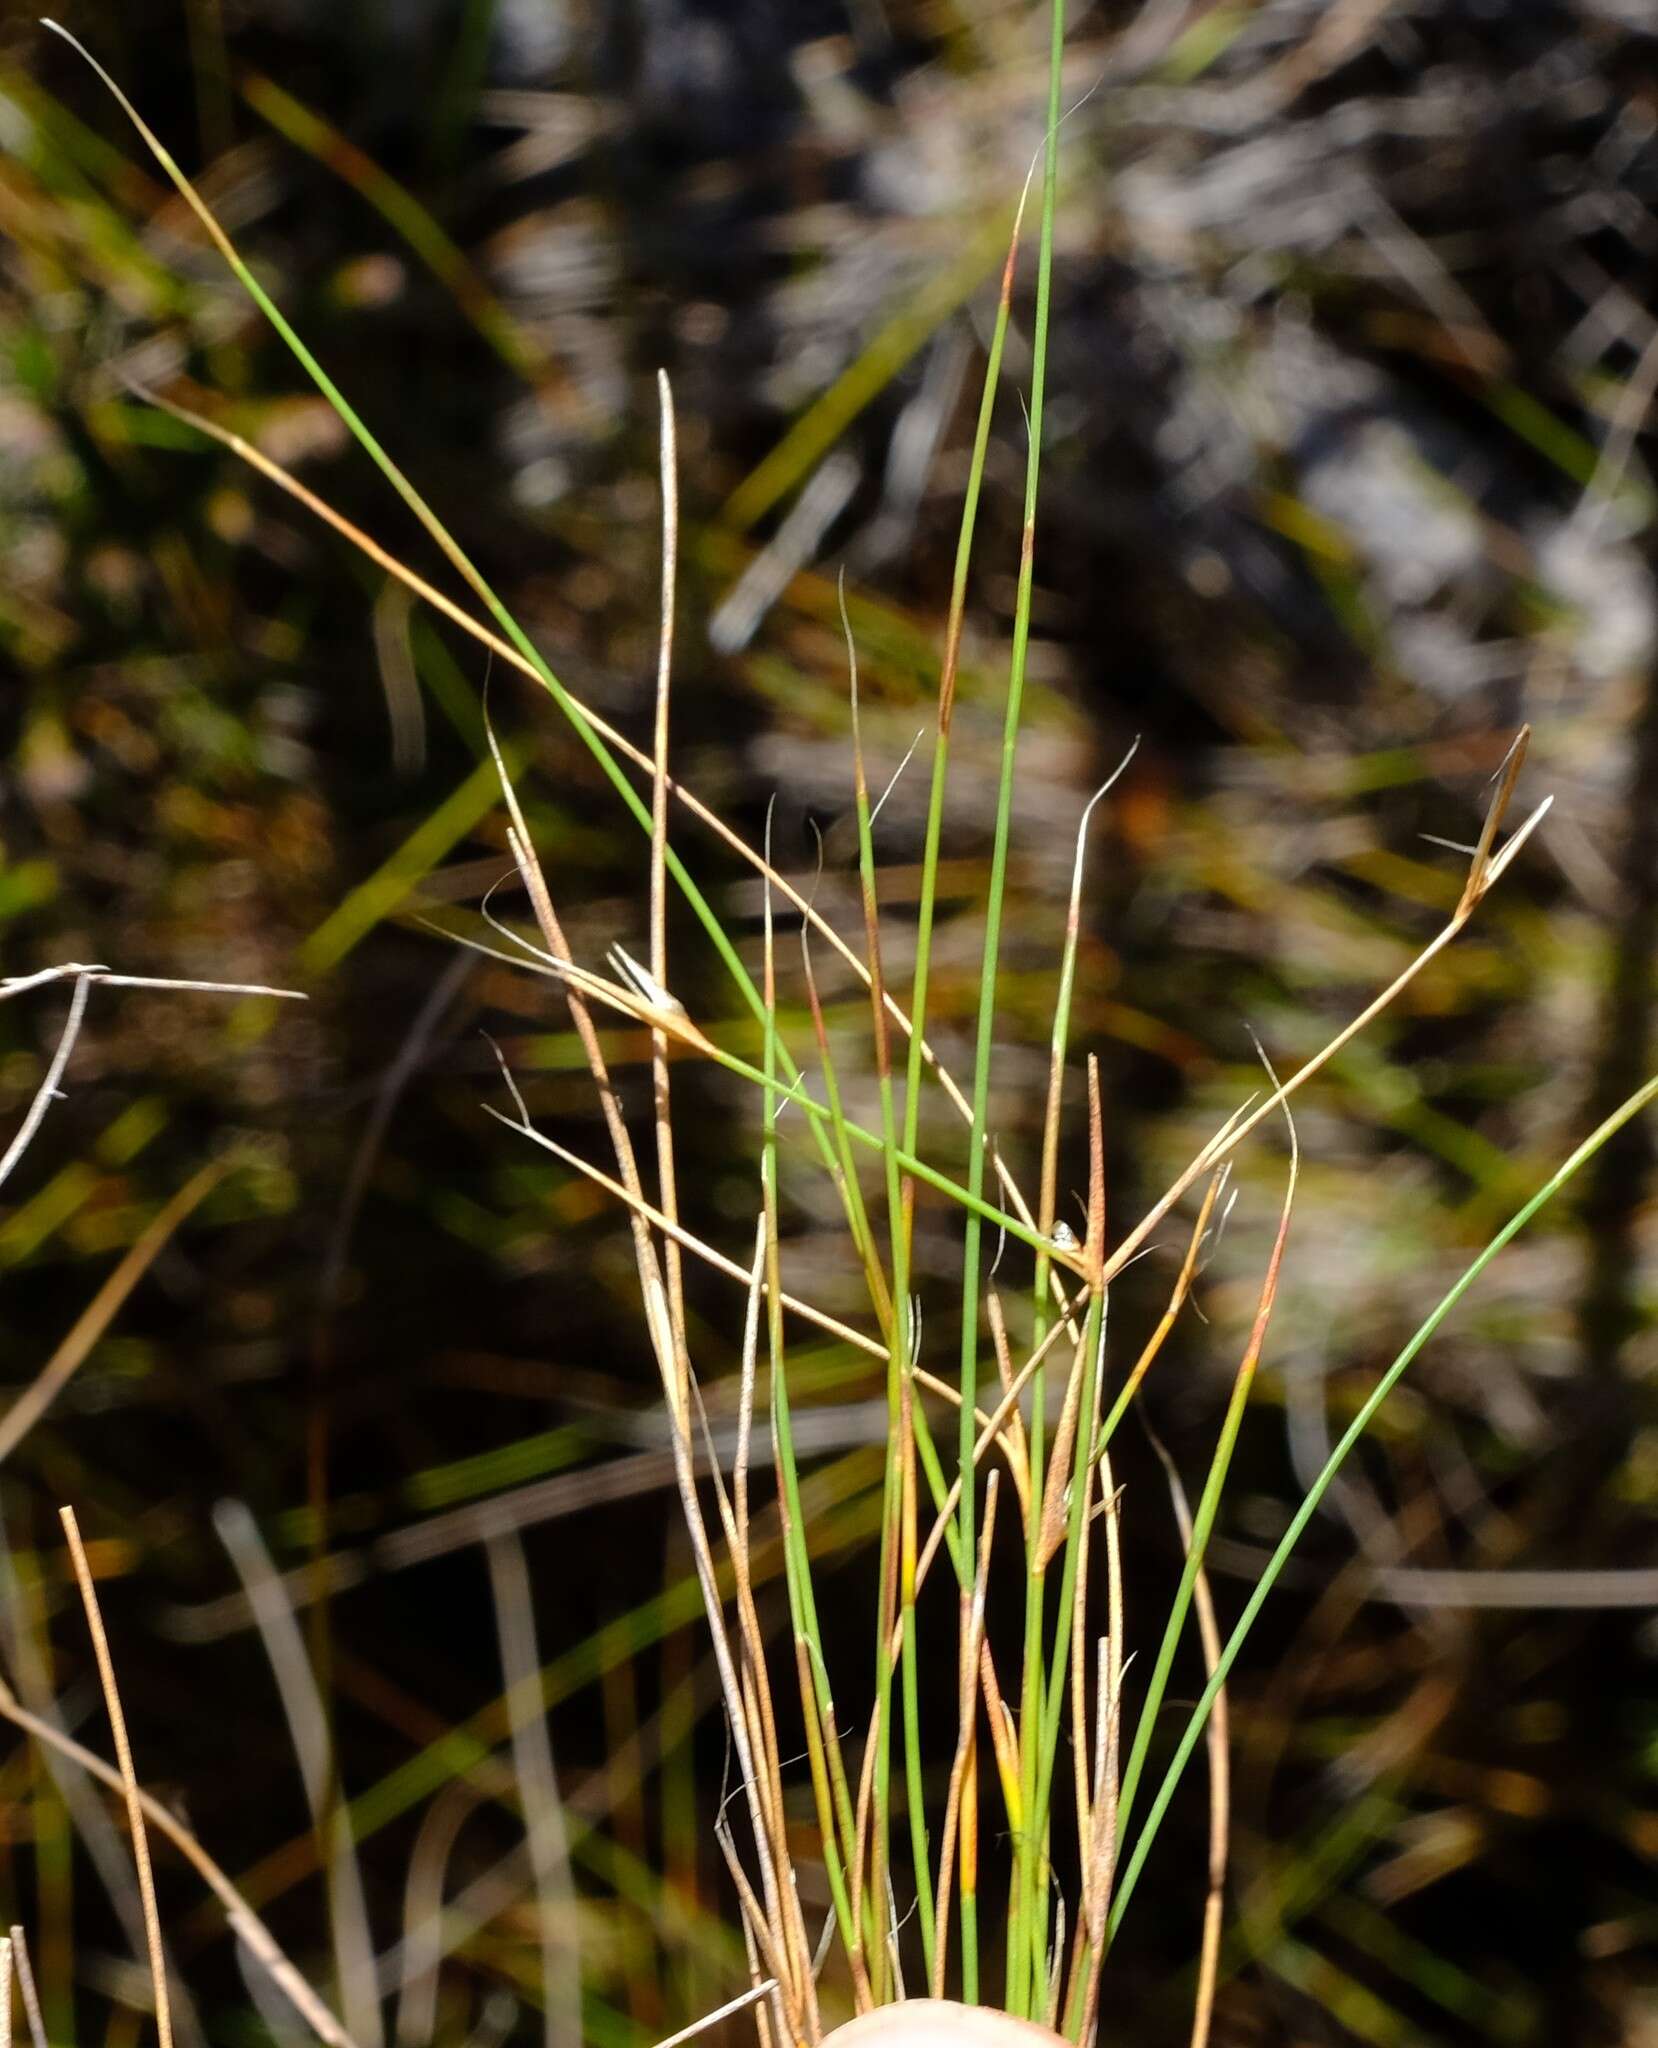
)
(897, 1823)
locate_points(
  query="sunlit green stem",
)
(1333, 1464)
(1021, 1964)
(898, 1496)
(1076, 1536)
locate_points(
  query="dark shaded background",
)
(1354, 347)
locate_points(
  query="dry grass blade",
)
(717, 1259)
(762, 1951)
(250, 1929)
(26, 1985)
(1100, 1866)
(1047, 1191)
(1014, 1441)
(666, 1178)
(129, 1778)
(961, 1803)
(48, 1092)
(1083, 1795)
(1170, 1316)
(1080, 1511)
(746, 1386)
(102, 1309)
(17, 984)
(532, 1754)
(1485, 871)
(1004, 1737)
(1055, 1517)
(729, 2010)
(865, 1806)
(68, 970)
(307, 1717)
(419, 1955)
(1056, 1968)
(1217, 1737)
(766, 2016)
(1507, 775)
(636, 997)
(1057, 1505)
(1109, 1707)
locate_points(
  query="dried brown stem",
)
(129, 1777)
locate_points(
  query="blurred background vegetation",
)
(1356, 338)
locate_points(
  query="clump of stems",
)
(899, 1816)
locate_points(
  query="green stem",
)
(1076, 1535)
(1321, 1485)
(1022, 1966)
(899, 1494)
